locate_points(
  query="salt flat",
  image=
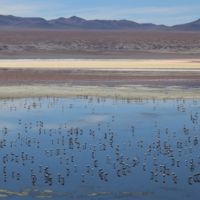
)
(101, 64)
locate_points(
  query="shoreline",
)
(129, 79)
(121, 92)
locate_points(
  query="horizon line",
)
(98, 19)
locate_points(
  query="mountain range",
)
(76, 23)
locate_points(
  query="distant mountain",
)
(76, 23)
(192, 26)
(12, 21)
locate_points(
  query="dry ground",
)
(98, 44)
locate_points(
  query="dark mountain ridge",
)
(76, 23)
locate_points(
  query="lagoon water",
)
(99, 148)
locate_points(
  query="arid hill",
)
(76, 23)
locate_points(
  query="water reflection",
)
(86, 147)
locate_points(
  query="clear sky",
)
(168, 12)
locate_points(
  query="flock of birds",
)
(62, 141)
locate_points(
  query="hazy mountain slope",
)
(192, 26)
(76, 23)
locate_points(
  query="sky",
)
(168, 12)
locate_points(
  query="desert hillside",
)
(77, 23)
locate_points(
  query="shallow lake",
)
(99, 148)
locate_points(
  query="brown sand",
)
(63, 44)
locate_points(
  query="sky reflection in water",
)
(97, 116)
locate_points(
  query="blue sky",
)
(143, 11)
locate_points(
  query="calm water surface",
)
(99, 148)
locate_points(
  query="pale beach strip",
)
(101, 64)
